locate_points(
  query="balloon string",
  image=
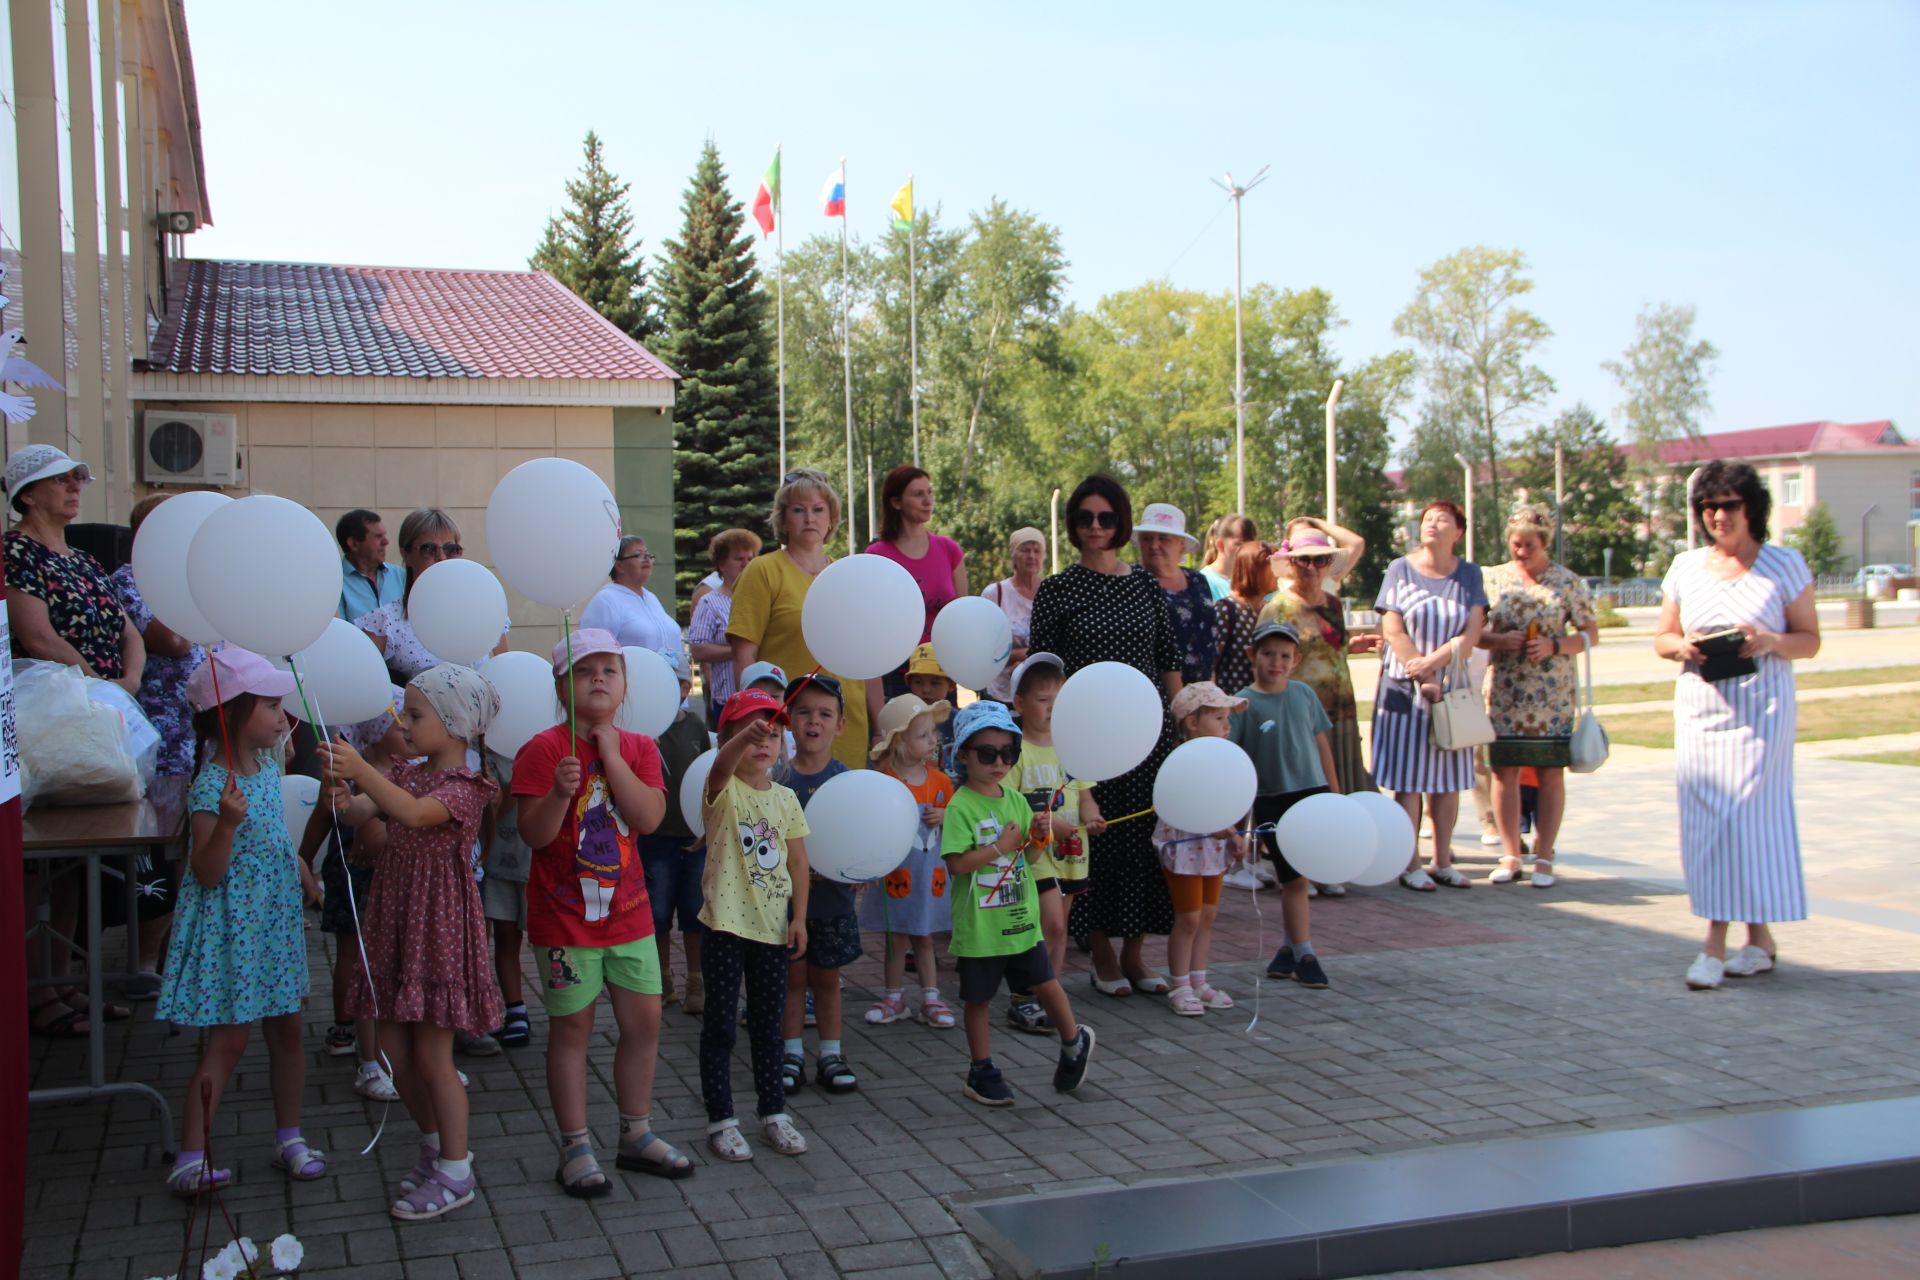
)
(1128, 817)
(220, 712)
(315, 720)
(1260, 925)
(573, 723)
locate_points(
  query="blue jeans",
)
(673, 882)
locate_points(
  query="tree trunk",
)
(979, 399)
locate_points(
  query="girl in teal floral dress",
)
(239, 952)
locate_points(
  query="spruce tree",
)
(590, 249)
(717, 338)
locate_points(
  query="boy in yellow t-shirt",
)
(755, 886)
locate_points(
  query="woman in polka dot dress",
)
(1101, 610)
(428, 969)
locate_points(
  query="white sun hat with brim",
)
(1164, 517)
(33, 463)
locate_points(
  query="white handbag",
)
(1590, 746)
(1459, 719)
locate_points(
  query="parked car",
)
(1866, 573)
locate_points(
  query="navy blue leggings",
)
(725, 958)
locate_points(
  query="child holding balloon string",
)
(1284, 730)
(587, 790)
(817, 710)
(756, 890)
(1195, 862)
(239, 953)
(912, 901)
(428, 971)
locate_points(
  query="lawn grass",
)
(1662, 690)
(1909, 758)
(1819, 721)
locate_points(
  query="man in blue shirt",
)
(367, 580)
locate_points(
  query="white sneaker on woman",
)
(1748, 961)
(1705, 973)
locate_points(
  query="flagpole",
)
(780, 303)
(846, 351)
(913, 318)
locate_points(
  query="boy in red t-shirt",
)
(582, 802)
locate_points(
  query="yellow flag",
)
(902, 206)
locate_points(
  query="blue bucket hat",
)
(984, 714)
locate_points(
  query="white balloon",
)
(527, 702)
(456, 609)
(690, 786)
(1105, 721)
(1205, 785)
(862, 824)
(299, 796)
(266, 574)
(863, 617)
(1393, 829)
(1327, 838)
(653, 693)
(973, 639)
(553, 529)
(342, 674)
(160, 561)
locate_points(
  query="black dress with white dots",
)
(1085, 617)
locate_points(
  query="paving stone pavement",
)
(1453, 1017)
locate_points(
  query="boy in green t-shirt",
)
(996, 909)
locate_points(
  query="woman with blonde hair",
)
(764, 624)
(1539, 620)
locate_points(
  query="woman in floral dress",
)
(1304, 565)
(1539, 619)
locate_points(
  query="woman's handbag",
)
(1459, 719)
(1590, 746)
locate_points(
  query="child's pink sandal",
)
(887, 1009)
(195, 1178)
(1214, 998)
(935, 1013)
(1184, 1002)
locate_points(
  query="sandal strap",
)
(637, 1147)
(297, 1157)
(834, 1067)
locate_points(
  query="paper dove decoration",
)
(15, 367)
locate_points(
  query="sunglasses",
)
(1009, 754)
(1723, 504)
(1087, 519)
(450, 550)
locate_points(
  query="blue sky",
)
(1760, 161)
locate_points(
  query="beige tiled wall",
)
(393, 458)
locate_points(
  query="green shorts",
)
(575, 975)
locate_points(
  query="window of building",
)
(1913, 496)
(1790, 495)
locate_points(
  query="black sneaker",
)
(1282, 964)
(1308, 973)
(986, 1086)
(1073, 1061)
(1028, 1016)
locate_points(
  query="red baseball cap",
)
(750, 702)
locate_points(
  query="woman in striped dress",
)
(1432, 606)
(1733, 733)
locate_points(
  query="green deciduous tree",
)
(1663, 377)
(718, 337)
(591, 249)
(1817, 538)
(1602, 510)
(1477, 343)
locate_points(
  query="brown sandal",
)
(61, 1027)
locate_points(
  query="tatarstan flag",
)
(767, 199)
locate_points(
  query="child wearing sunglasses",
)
(996, 908)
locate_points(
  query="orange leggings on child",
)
(1190, 893)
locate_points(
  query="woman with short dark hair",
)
(1734, 718)
(1101, 609)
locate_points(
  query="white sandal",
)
(1504, 874)
(1452, 877)
(786, 1139)
(726, 1141)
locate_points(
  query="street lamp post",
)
(1864, 561)
(1466, 468)
(1235, 190)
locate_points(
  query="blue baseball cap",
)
(984, 714)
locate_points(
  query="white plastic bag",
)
(82, 741)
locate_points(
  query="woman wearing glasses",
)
(1308, 570)
(625, 607)
(427, 536)
(1734, 718)
(1103, 610)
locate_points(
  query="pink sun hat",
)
(241, 671)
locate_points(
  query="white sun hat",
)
(1164, 517)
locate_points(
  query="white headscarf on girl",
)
(465, 700)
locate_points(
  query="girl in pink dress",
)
(429, 973)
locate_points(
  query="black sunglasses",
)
(1009, 754)
(1722, 504)
(451, 550)
(1084, 519)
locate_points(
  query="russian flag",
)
(833, 196)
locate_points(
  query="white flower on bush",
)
(288, 1253)
(220, 1267)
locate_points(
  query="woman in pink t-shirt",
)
(936, 563)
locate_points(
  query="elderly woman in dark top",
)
(61, 608)
(1163, 539)
(1102, 610)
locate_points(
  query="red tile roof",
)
(266, 318)
(1798, 437)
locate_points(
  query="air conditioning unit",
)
(188, 448)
